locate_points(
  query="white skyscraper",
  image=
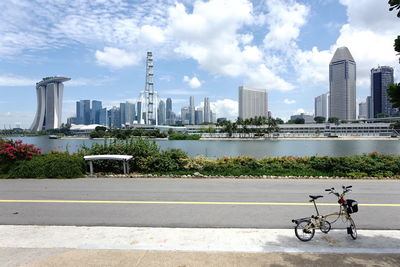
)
(252, 102)
(207, 110)
(363, 110)
(49, 98)
(192, 110)
(321, 106)
(342, 85)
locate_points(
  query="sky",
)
(204, 48)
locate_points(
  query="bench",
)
(124, 158)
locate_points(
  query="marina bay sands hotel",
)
(49, 99)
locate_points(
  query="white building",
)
(49, 99)
(342, 85)
(321, 106)
(252, 102)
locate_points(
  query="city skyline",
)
(105, 52)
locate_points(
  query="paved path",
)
(133, 246)
(238, 203)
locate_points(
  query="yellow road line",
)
(183, 202)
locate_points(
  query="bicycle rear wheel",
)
(304, 231)
(352, 230)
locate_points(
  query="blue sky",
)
(201, 48)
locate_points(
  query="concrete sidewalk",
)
(142, 246)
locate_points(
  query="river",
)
(255, 148)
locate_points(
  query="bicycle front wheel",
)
(304, 231)
(352, 230)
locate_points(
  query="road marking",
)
(182, 202)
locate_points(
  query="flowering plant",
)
(11, 150)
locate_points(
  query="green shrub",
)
(178, 136)
(147, 156)
(52, 165)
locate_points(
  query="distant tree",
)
(381, 115)
(319, 119)
(394, 94)
(344, 121)
(395, 125)
(100, 128)
(333, 120)
(299, 121)
(279, 121)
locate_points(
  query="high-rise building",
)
(381, 77)
(95, 112)
(199, 116)
(213, 117)
(321, 106)
(162, 120)
(207, 111)
(185, 115)
(83, 113)
(122, 110)
(342, 85)
(49, 99)
(130, 113)
(78, 113)
(363, 110)
(103, 117)
(139, 112)
(114, 117)
(369, 106)
(192, 110)
(252, 102)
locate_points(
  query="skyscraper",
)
(185, 115)
(381, 77)
(83, 113)
(199, 117)
(363, 110)
(95, 112)
(122, 110)
(49, 99)
(139, 112)
(207, 111)
(130, 113)
(192, 109)
(161, 113)
(252, 102)
(103, 117)
(342, 85)
(168, 111)
(321, 106)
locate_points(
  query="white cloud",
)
(285, 18)
(193, 82)
(210, 35)
(301, 110)
(10, 80)
(116, 57)
(289, 102)
(152, 34)
(226, 108)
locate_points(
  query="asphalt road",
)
(190, 202)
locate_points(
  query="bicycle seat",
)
(315, 197)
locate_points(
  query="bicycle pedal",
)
(349, 231)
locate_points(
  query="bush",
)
(147, 156)
(12, 152)
(178, 136)
(52, 165)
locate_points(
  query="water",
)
(256, 148)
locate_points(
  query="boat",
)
(54, 136)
